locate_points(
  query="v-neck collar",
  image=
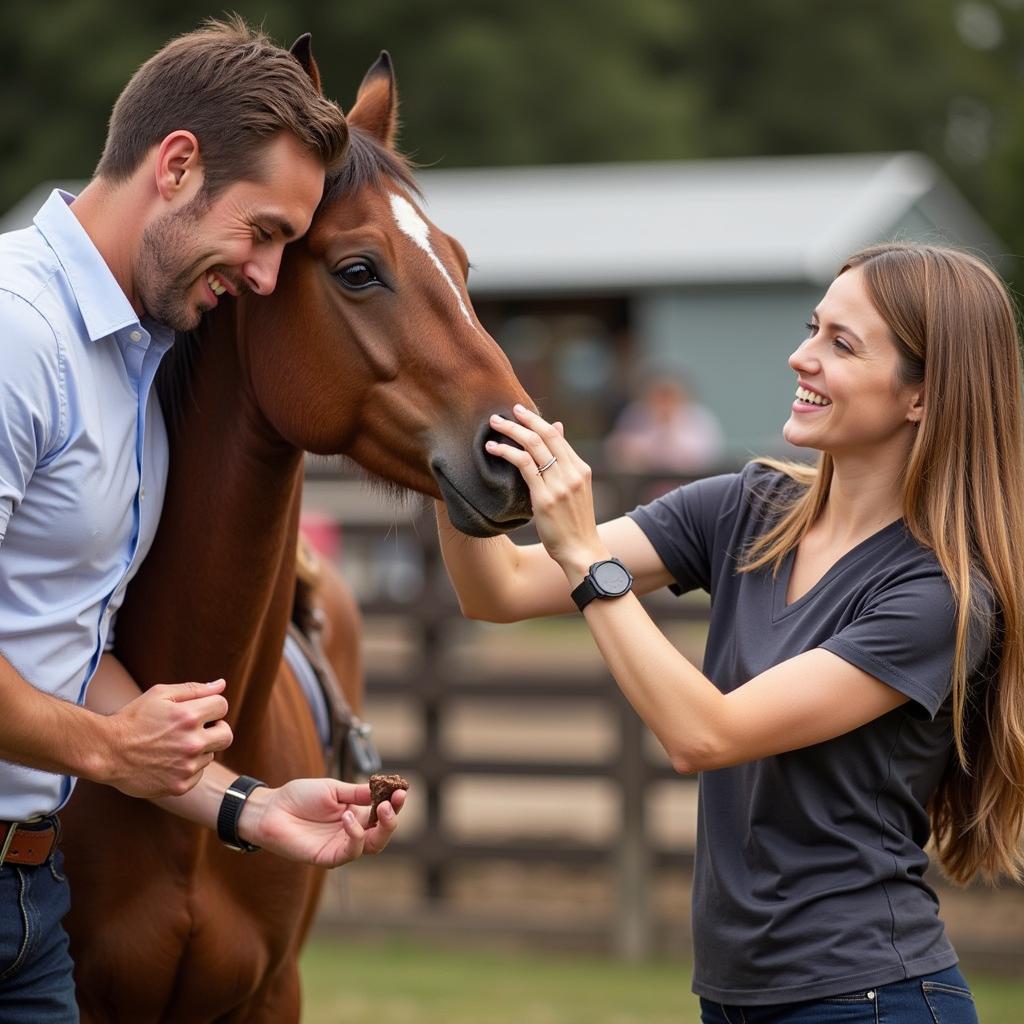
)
(780, 583)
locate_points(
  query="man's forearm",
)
(307, 820)
(201, 803)
(165, 737)
(41, 731)
(113, 688)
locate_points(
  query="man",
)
(215, 159)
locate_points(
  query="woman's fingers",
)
(522, 460)
(552, 435)
(542, 444)
(532, 444)
(546, 431)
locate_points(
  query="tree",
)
(516, 82)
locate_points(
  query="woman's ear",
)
(916, 412)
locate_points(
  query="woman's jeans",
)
(943, 997)
(36, 983)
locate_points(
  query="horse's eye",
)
(357, 275)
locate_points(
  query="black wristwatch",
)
(231, 810)
(605, 579)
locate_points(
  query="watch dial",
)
(611, 578)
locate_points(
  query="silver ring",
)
(547, 465)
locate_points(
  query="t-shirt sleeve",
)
(681, 527)
(906, 637)
(31, 405)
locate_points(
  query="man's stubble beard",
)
(168, 269)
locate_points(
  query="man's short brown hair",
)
(233, 88)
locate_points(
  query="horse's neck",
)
(214, 595)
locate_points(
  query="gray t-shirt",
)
(809, 864)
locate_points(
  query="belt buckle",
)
(12, 827)
(35, 825)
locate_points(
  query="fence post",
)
(433, 631)
(632, 929)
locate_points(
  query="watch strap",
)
(230, 811)
(589, 587)
(585, 592)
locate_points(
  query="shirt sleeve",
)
(109, 642)
(31, 400)
(681, 527)
(906, 637)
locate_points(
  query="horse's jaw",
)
(466, 515)
(463, 513)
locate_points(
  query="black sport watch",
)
(606, 579)
(231, 810)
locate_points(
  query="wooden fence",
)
(431, 684)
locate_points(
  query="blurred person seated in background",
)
(665, 429)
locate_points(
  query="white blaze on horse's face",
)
(413, 225)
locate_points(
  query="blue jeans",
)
(36, 981)
(942, 996)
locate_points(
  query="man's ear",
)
(178, 168)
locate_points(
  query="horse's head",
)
(369, 347)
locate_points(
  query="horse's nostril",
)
(493, 435)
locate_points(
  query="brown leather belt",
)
(30, 844)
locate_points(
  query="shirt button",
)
(136, 335)
(142, 494)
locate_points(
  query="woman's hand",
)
(318, 821)
(559, 482)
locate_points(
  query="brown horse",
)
(368, 347)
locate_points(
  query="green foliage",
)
(525, 81)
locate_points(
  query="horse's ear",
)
(302, 51)
(376, 106)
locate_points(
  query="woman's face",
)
(848, 398)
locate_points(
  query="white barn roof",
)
(629, 226)
(623, 227)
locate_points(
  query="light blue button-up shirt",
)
(83, 465)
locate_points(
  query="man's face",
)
(192, 255)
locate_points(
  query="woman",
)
(862, 689)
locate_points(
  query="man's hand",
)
(160, 742)
(318, 821)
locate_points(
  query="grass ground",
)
(403, 983)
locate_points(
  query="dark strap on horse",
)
(350, 751)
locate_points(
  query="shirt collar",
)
(104, 306)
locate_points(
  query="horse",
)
(368, 348)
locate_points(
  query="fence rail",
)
(433, 687)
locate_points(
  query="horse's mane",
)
(366, 163)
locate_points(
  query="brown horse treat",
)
(381, 788)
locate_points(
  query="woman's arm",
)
(808, 699)
(805, 700)
(499, 581)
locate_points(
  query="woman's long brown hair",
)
(963, 497)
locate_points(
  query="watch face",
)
(611, 578)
